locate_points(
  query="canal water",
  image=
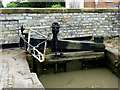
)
(90, 78)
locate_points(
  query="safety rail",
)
(28, 47)
(26, 37)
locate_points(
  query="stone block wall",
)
(79, 22)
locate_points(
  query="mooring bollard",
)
(55, 31)
(98, 39)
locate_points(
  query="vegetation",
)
(37, 4)
(57, 6)
(12, 4)
(1, 5)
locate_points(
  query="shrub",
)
(57, 6)
(12, 4)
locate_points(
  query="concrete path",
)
(15, 72)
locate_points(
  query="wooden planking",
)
(74, 56)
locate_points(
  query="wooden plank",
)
(75, 56)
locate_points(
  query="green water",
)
(92, 78)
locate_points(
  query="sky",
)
(5, 2)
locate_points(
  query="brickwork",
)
(101, 4)
(78, 24)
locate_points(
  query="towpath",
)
(15, 72)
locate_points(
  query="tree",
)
(1, 5)
(41, 4)
(36, 4)
(12, 4)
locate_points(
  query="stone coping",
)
(43, 0)
(56, 10)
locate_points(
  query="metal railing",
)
(29, 47)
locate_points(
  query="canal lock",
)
(77, 54)
(63, 66)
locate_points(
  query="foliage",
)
(57, 6)
(1, 5)
(31, 4)
(37, 4)
(12, 4)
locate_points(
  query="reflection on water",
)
(92, 78)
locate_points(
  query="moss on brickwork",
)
(52, 10)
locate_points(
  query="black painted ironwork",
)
(22, 29)
(26, 38)
(98, 39)
(55, 31)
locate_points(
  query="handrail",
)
(36, 53)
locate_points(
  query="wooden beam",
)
(74, 56)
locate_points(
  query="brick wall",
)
(101, 4)
(80, 22)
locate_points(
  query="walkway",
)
(14, 70)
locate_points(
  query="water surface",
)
(91, 78)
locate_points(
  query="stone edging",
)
(55, 10)
(113, 62)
